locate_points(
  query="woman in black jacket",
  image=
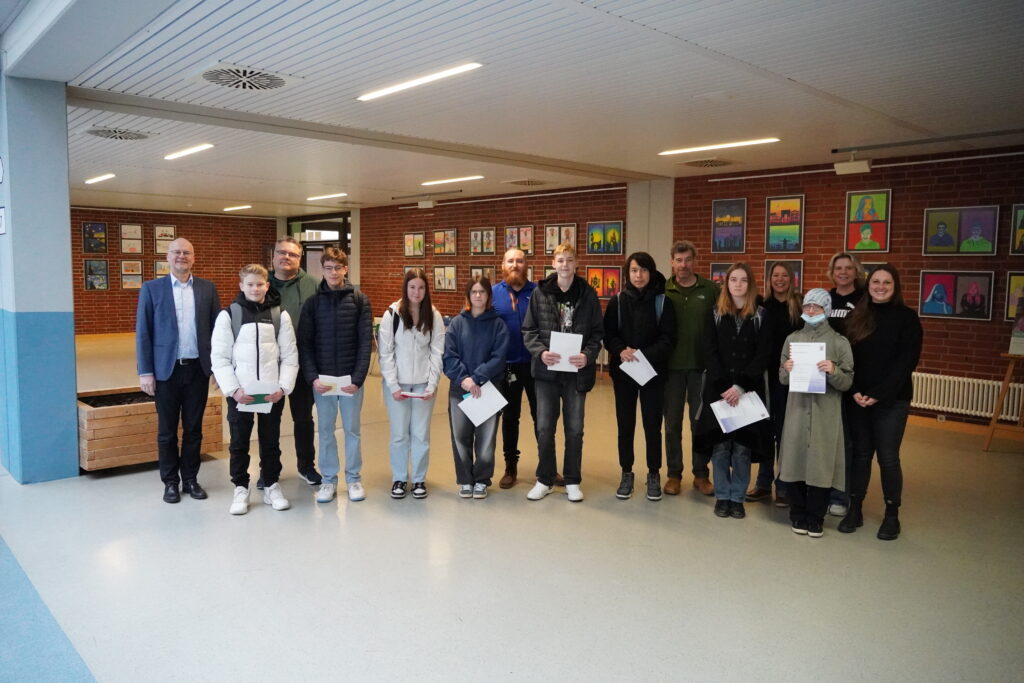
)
(737, 341)
(637, 320)
(886, 339)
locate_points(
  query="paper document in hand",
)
(479, 410)
(259, 391)
(335, 384)
(805, 377)
(565, 344)
(410, 394)
(640, 369)
(750, 409)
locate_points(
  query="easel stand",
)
(994, 425)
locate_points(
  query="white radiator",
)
(965, 395)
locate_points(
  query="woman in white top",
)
(410, 344)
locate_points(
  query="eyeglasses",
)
(333, 269)
(179, 252)
(282, 252)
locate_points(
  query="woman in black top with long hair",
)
(886, 339)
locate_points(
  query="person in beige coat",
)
(812, 455)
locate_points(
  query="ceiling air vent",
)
(526, 182)
(117, 134)
(713, 162)
(244, 78)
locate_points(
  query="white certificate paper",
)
(259, 391)
(479, 410)
(748, 410)
(640, 369)
(565, 344)
(805, 377)
(335, 383)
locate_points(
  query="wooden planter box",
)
(112, 436)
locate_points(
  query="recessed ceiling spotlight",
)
(419, 81)
(724, 145)
(327, 196)
(238, 208)
(186, 152)
(452, 180)
(100, 178)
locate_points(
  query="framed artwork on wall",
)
(1014, 294)
(131, 282)
(868, 267)
(414, 244)
(96, 274)
(444, 278)
(444, 242)
(605, 237)
(548, 272)
(487, 240)
(485, 271)
(784, 225)
(523, 238)
(130, 246)
(131, 267)
(1017, 229)
(718, 271)
(965, 294)
(511, 238)
(728, 226)
(162, 246)
(795, 265)
(131, 231)
(867, 220)
(164, 232)
(558, 233)
(161, 268)
(94, 238)
(606, 280)
(961, 231)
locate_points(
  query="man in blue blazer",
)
(173, 326)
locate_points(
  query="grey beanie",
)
(821, 297)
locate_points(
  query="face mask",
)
(813, 319)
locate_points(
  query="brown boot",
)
(704, 485)
(672, 486)
(511, 472)
(559, 480)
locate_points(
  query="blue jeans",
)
(554, 396)
(327, 408)
(472, 446)
(778, 394)
(732, 471)
(410, 433)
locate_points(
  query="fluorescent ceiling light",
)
(724, 145)
(418, 81)
(190, 150)
(452, 180)
(238, 208)
(100, 178)
(327, 196)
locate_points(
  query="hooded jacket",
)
(257, 354)
(335, 334)
(640, 328)
(409, 356)
(475, 347)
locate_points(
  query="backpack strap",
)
(394, 321)
(275, 319)
(236, 318)
(659, 306)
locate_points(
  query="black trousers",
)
(517, 379)
(269, 434)
(300, 402)
(651, 396)
(878, 429)
(807, 503)
(181, 398)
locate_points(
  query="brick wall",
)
(223, 244)
(382, 232)
(953, 347)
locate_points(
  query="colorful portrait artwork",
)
(718, 271)
(956, 294)
(525, 238)
(94, 238)
(568, 234)
(482, 271)
(444, 242)
(1017, 229)
(961, 231)
(444, 278)
(96, 275)
(1014, 295)
(414, 244)
(475, 242)
(511, 238)
(551, 235)
(487, 240)
(795, 265)
(604, 237)
(784, 225)
(867, 220)
(728, 226)
(606, 280)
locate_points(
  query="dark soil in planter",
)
(116, 399)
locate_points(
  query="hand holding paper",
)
(806, 377)
(479, 410)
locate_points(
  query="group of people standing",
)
(288, 335)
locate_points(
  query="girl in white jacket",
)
(410, 345)
(255, 361)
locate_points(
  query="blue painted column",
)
(38, 416)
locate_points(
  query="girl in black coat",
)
(637, 320)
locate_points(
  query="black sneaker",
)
(419, 489)
(722, 508)
(398, 489)
(890, 529)
(799, 527)
(259, 483)
(737, 511)
(653, 486)
(625, 489)
(310, 476)
(815, 529)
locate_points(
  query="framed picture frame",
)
(486, 271)
(131, 267)
(131, 282)
(164, 232)
(605, 238)
(522, 236)
(728, 226)
(548, 271)
(161, 268)
(718, 271)
(1014, 294)
(1017, 229)
(606, 280)
(94, 237)
(867, 221)
(784, 225)
(796, 265)
(961, 231)
(487, 245)
(131, 231)
(868, 267)
(444, 242)
(413, 244)
(963, 294)
(162, 246)
(97, 276)
(131, 246)
(475, 242)
(444, 278)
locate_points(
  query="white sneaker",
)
(479, 490)
(574, 492)
(465, 491)
(239, 501)
(325, 494)
(355, 491)
(272, 496)
(538, 491)
(837, 510)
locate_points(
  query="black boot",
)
(854, 517)
(890, 529)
